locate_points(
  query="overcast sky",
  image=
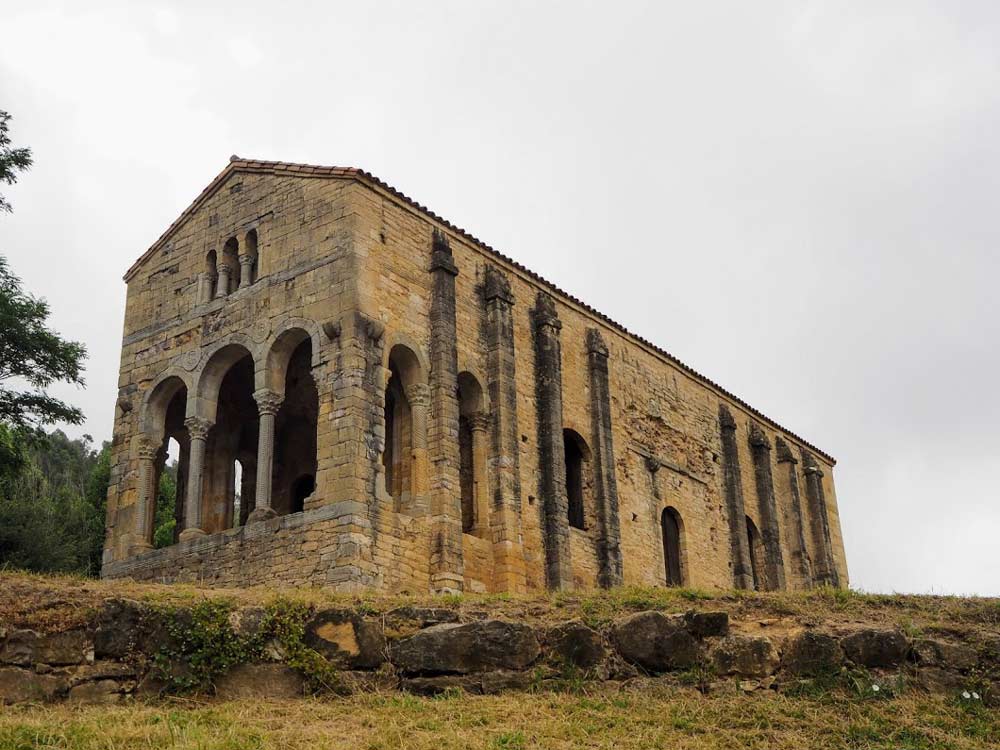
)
(797, 199)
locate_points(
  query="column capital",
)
(418, 394)
(726, 419)
(268, 401)
(784, 453)
(653, 464)
(595, 343)
(545, 314)
(758, 438)
(198, 427)
(245, 259)
(497, 286)
(147, 448)
(441, 257)
(479, 422)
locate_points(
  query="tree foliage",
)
(12, 160)
(52, 509)
(33, 354)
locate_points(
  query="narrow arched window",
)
(253, 268)
(577, 456)
(670, 524)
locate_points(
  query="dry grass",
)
(626, 719)
(61, 602)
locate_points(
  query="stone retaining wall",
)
(131, 649)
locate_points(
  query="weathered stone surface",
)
(21, 685)
(118, 628)
(938, 680)
(707, 624)
(503, 681)
(436, 685)
(404, 621)
(247, 622)
(357, 681)
(346, 638)
(576, 644)
(25, 647)
(103, 670)
(655, 642)
(810, 654)
(956, 656)
(471, 647)
(875, 648)
(746, 656)
(101, 691)
(259, 681)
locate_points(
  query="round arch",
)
(153, 412)
(273, 367)
(217, 362)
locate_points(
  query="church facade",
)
(359, 394)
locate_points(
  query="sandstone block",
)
(707, 624)
(745, 656)
(346, 638)
(26, 647)
(810, 654)
(957, 656)
(875, 648)
(576, 644)
(20, 686)
(101, 692)
(472, 647)
(655, 642)
(259, 681)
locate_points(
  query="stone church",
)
(359, 394)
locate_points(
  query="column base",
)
(189, 534)
(139, 547)
(257, 515)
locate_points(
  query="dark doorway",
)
(670, 523)
(301, 489)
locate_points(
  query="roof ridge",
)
(237, 164)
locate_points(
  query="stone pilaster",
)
(735, 510)
(146, 501)
(268, 403)
(246, 270)
(554, 505)
(824, 567)
(197, 428)
(799, 551)
(609, 551)
(504, 461)
(442, 429)
(774, 562)
(479, 426)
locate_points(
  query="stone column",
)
(222, 287)
(554, 504)
(197, 428)
(504, 462)
(609, 551)
(733, 489)
(479, 425)
(418, 396)
(774, 562)
(825, 568)
(799, 551)
(268, 403)
(205, 282)
(146, 500)
(246, 270)
(447, 569)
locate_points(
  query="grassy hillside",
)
(643, 712)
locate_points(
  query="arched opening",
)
(302, 488)
(756, 555)
(163, 424)
(250, 249)
(231, 257)
(295, 433)
(212, 272)
(577, 459)
(472, 454)
(232, 440)
(405, 440)
(671, 526)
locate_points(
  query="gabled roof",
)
(288, 169)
